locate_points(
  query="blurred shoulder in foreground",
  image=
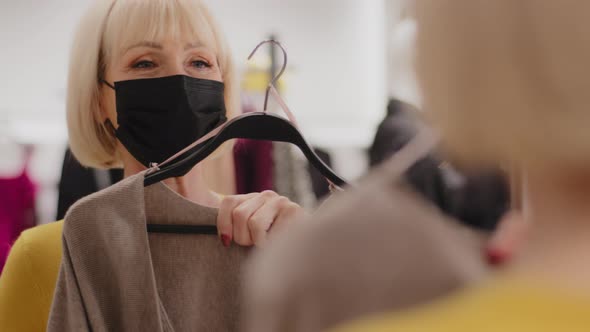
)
(374, 248)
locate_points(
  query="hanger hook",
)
(280, 73)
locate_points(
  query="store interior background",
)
(347, 57)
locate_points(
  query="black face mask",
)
(160, 116)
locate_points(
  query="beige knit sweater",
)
(116, 277)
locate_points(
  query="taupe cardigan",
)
(116, 277)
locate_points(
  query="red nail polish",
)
(495, 257)
(226, 240)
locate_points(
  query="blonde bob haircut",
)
(110, 26)
(507, 80)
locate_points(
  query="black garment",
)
(478, 200)
(394, 132)
(481, 200)
(78, 181)
(320, 186)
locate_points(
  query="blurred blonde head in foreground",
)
(507, 80)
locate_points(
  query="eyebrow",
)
(159, 46)
(192, 45)
(145, 44)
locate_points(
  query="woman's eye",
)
(144, 64)
(200, 64)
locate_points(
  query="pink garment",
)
(253, 162)
(17, 210)
(254, 166)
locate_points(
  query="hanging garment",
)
(376, 247)
(17, 210)
(291, 176)
(115, 276)
(78, 181)
(321, 187)
(254, 165)
(398, 128)
(478, 199)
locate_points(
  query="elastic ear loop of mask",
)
(107, 123)
(107, 83)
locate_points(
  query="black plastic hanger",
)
(257, 126)
(254, 125)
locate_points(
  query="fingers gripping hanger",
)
(253, 125)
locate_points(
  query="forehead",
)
(132, 22)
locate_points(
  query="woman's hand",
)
(250, 219)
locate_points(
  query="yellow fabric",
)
(28, 280)
(503, 305)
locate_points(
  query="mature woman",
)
(160, 50)
(507, 81)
